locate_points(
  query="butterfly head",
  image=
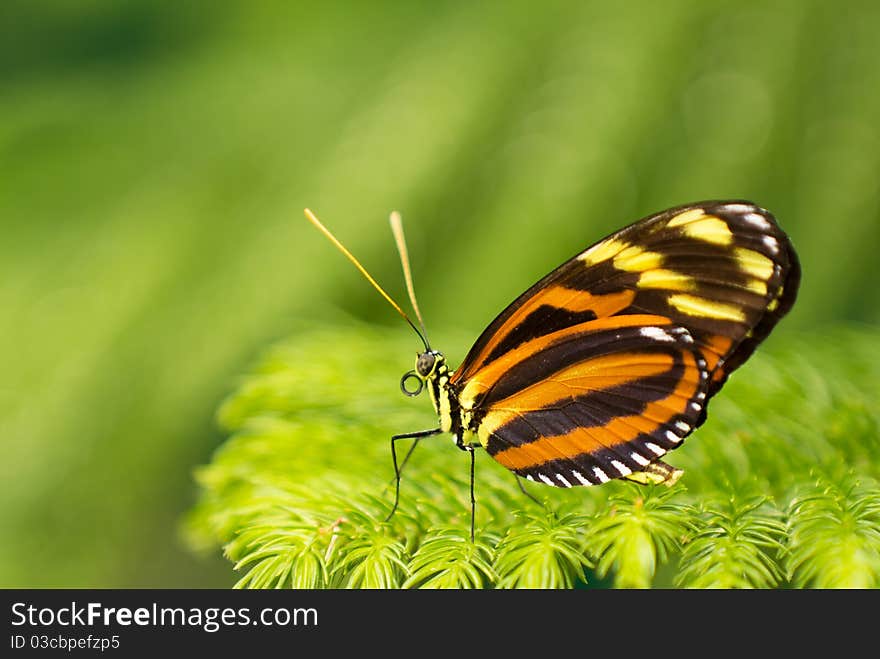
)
(430, 364)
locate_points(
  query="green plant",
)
(780, 486)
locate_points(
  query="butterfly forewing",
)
(608, 361)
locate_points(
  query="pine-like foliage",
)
(780, 486)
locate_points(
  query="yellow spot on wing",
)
(757, 286)
(602, 251)
(693, 305)
(667, 280)
(754, 263)
(636, 259)
(711, 230)
(684, 218)
(468, 396)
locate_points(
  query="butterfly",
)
(609, 362)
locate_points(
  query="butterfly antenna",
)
(310, 216)
(397, 230)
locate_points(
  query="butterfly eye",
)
(425, 364)
(411, 389)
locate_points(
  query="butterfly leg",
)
(408, 454)
(522, 488)
(470, 448)
(473, 499)
(419, 434)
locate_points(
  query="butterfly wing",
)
(598, 401)
(609, 361)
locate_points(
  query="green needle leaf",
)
(780, 485)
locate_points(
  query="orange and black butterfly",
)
(609, 362)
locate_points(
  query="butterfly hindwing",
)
(609, 399)
(609, 361)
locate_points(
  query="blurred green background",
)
(155, 158)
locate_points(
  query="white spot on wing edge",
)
(656, 333)
(562, 480)
(601, 475)
(651, 446)
(580, 477)
(672, 437)
(681, 425)
(683, 333)
(641, 460)
(756, 220)
(546, 480)
(738, 208)
(622, 468)
(772, 244)
(695, 407)
(530, 477)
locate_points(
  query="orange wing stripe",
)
(616, 432)
(600, 373)
(716, 347)
(557, 296)
(489, 375)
